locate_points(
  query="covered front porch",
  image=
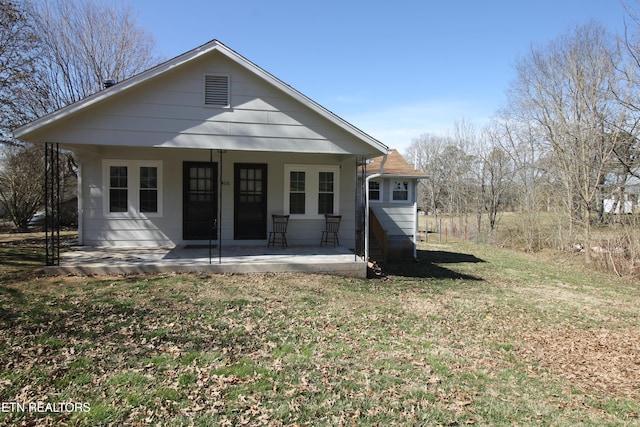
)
(84, 260)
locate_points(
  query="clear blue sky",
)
(395, 69)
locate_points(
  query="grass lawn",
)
(470, 335)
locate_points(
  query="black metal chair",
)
(279, 231)
(331, 229)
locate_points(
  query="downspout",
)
(366, 206)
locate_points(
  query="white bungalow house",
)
(207, 146)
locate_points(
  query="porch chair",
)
(331, 228)
(279, 230)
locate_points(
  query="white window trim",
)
(204, 90)
(133, 187)
(409, 190)
(312, 173)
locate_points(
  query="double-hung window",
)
(148, 189)
(325, 193)
(297, 192)
(118, 188)
(374, 191)
(311, 190)
(400, 191)
(132, 188)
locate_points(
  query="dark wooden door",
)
(250, 210)
(200, 201)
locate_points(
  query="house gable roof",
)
(395, 165)
(99, 98)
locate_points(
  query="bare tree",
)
(20, 192)
(82, 44)
(54, 53)
(18, 44)
(496, 176)
(527, 155)
(427, 152)
(627, 152)
(564, 90)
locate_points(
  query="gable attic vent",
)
(216, 90)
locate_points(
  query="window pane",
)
(148, 189)
(118, 200)
(148, 201)
(325, 193)
(325, 203)
(118, 193)
(374, 190)
(296, 181)
(400, 195)
(148, 177)
(400, 190)
(296, 203)
(326, 181)
(118, 176)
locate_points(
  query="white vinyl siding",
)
(216, 90)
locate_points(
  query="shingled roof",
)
(395, 165)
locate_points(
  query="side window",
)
(374, 190)
(297, 195)
(325, 193)
(311, 190)
(132, 188)
(400, 191)
(148, 189)
(118, 189)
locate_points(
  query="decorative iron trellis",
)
(52, 203)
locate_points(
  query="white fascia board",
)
(384, 175)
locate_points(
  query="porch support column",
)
(52, 203)
(366, 221)
(211, 205)
(221, 152)
(356, 213)
(360, 206)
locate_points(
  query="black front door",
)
(250, 210)
(200, 201)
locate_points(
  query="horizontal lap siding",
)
(167, 230)
(397, 220)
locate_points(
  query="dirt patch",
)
(597, 359)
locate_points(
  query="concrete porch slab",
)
(234, 259)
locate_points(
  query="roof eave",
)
(206, 48)
(394, 175)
